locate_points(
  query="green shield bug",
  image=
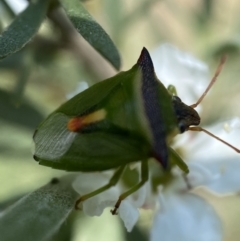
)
(127, 118)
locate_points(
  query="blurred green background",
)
(36, 80)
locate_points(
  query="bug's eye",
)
(182, 127)
(176, 98)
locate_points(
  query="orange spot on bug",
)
(76, 123)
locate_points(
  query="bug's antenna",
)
(198, 128)
(219, 69)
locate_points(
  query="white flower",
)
(128, 210)
(184, 216)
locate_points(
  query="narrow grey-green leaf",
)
(40, 214)
(23, 28)
(91, 31)
(66, 231)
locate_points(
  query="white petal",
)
(129, 214)
(138, 198)
(94, 206)
(17, 6)
(201, 146)
(88, 182)
(212, 163)
(185, 217)
(227, 172)
(232, 124)
(188, 74)
(200, 175)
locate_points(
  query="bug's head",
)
(186, 115)
(188, 118)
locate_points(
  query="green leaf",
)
(23, 28)
(39, 215)
(91, 31)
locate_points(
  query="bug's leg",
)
(144, 178)
(113, 181)
(188, 184)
